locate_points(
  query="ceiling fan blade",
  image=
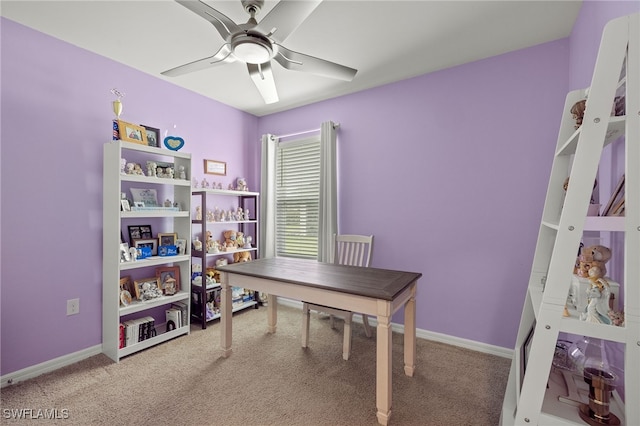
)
(223, 24)
(222, 56)
(285, 17)
(263, 79)
(300, 62)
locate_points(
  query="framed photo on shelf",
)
(126, 290)
(145, 284)
(615, 200)
(148, 196)
(132, 133)
(152, 243)
(153, 135)
(167, 239)
(124, 253)
(137, 232)
(181, 243)
(124, 206)
(213, 167)
(168, 279)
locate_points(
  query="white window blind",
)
(297, 198)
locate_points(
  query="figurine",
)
(230, 187)
(197, 244)
(168, 172)
(182, 173)
(151, 168)
(219, 185)
(137, 169)
(247, 241)
(194, 183)
(239, 214)
(204, 184)
(167, 203)
(129, 168)
(597, 309)
(198, 213)
(241, 184)
(133, 253)
(123, 165)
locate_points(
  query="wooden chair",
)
(354, 250)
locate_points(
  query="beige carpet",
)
(269, 380)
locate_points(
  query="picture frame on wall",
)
(213, 167)
(132, 133)
(153, 136)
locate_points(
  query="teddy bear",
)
(230, 237)
(240, 239)
(577, 111)
(242, 256)
(593, 256)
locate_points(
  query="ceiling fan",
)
(257, 43)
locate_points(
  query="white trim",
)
(48, 366)
(427, 335)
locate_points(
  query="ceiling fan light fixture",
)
(252, 50)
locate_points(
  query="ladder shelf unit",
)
(538, 392)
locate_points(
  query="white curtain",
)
(267, 238)
(328, 223)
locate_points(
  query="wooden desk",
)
(377, 292)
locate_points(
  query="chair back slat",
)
(354, 250)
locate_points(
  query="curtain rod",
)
(336, 125)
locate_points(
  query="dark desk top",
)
(369, 282)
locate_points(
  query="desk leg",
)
(410, 333)
(225, 317)
(272, 313)
(383, 369)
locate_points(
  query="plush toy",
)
(577, 110)
(240, 239)
(213, 275)
(593, 256)
(222, 261)
(230, 237)
(242, 256)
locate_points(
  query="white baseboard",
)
(48, 366)
(63, 361)
(425, 334)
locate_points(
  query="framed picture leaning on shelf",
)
(168, 279)
(152, 243)
(167, 239)
(147, 288)
(137, 232)
(153, 135)
(132, 133)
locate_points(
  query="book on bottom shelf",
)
(174, 318)
(137, 330)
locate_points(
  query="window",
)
(297, 198)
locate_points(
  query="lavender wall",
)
(56, 116)
(449, 171)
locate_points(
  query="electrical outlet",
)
(73, 306)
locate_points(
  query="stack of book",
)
(136, 330)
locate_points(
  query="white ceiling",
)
(385, 41)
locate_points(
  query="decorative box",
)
(144, 252)
(167, 250)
